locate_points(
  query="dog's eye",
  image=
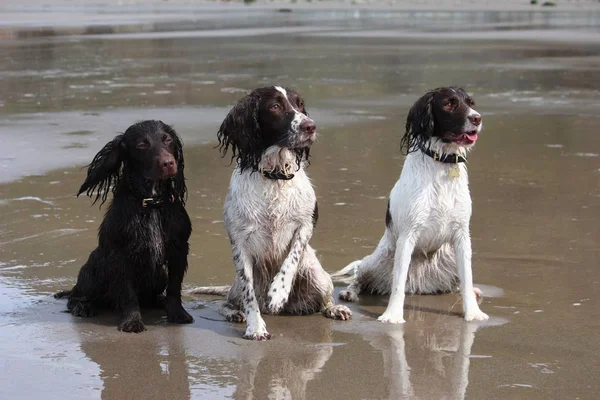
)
(166, 139)
(275, 107)
(301, 103)
(470, 102)
(143, 145)
(449, 105)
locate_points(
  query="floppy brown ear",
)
(419, 124)
(179, 181)
(104, 170)
(241, 132)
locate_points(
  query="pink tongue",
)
(471, 136)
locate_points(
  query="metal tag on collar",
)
(146, 201)
(454, 171)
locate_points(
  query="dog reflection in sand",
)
(268, 374)
(428, 359)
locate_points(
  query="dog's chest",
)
(432, 202)
(155, 236)
(447, 209)
(270, 211)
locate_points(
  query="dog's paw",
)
(276, 301)
(476, 315)
(388, 318)
(235, 316)
(132, 325)
(348, 295)
(339, 312)
(259, 336)
(179, 316)
(83, 309)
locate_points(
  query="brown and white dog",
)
(270, 213)
(426, 247)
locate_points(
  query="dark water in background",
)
(535, 178)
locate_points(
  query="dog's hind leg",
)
(313, 290)
(232, 313)
(80, 306)
(62, 294)
(372, 272)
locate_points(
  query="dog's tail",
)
(63, 294)
(214, 290)
(350, 269)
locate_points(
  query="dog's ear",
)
(179, 181)
(241, 131)
(104, 170)
(419, 124)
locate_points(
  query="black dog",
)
(143, 239)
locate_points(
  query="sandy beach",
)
(75, 73)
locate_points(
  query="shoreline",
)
(62, 15)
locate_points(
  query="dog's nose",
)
(475, 119)
(168, 163)
(308, 126)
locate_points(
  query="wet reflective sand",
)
(535, 178)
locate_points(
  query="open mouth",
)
(466, 138)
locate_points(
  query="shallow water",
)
(534, 180)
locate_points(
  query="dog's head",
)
(149, 154)
(445, 113)
(267, 117)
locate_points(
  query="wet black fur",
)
(426, 118)
(249, 130)
(141, 250)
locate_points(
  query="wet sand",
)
(534, 178)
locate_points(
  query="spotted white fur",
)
(270, 223)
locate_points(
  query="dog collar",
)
(277, 175)
(156, 202)
(444, 158)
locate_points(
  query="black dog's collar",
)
(277, 175)
(444, 158)
(156, 202)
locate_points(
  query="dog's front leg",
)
(281, 286)
(177, 265)
(462, 248)
(256, 329)
(394, 314)
(131, 320)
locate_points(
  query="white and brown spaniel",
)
(270, 213)
(426, 247)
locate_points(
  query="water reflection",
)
(423, 363)
(134, 367)
(269, 374)
(426, 358)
